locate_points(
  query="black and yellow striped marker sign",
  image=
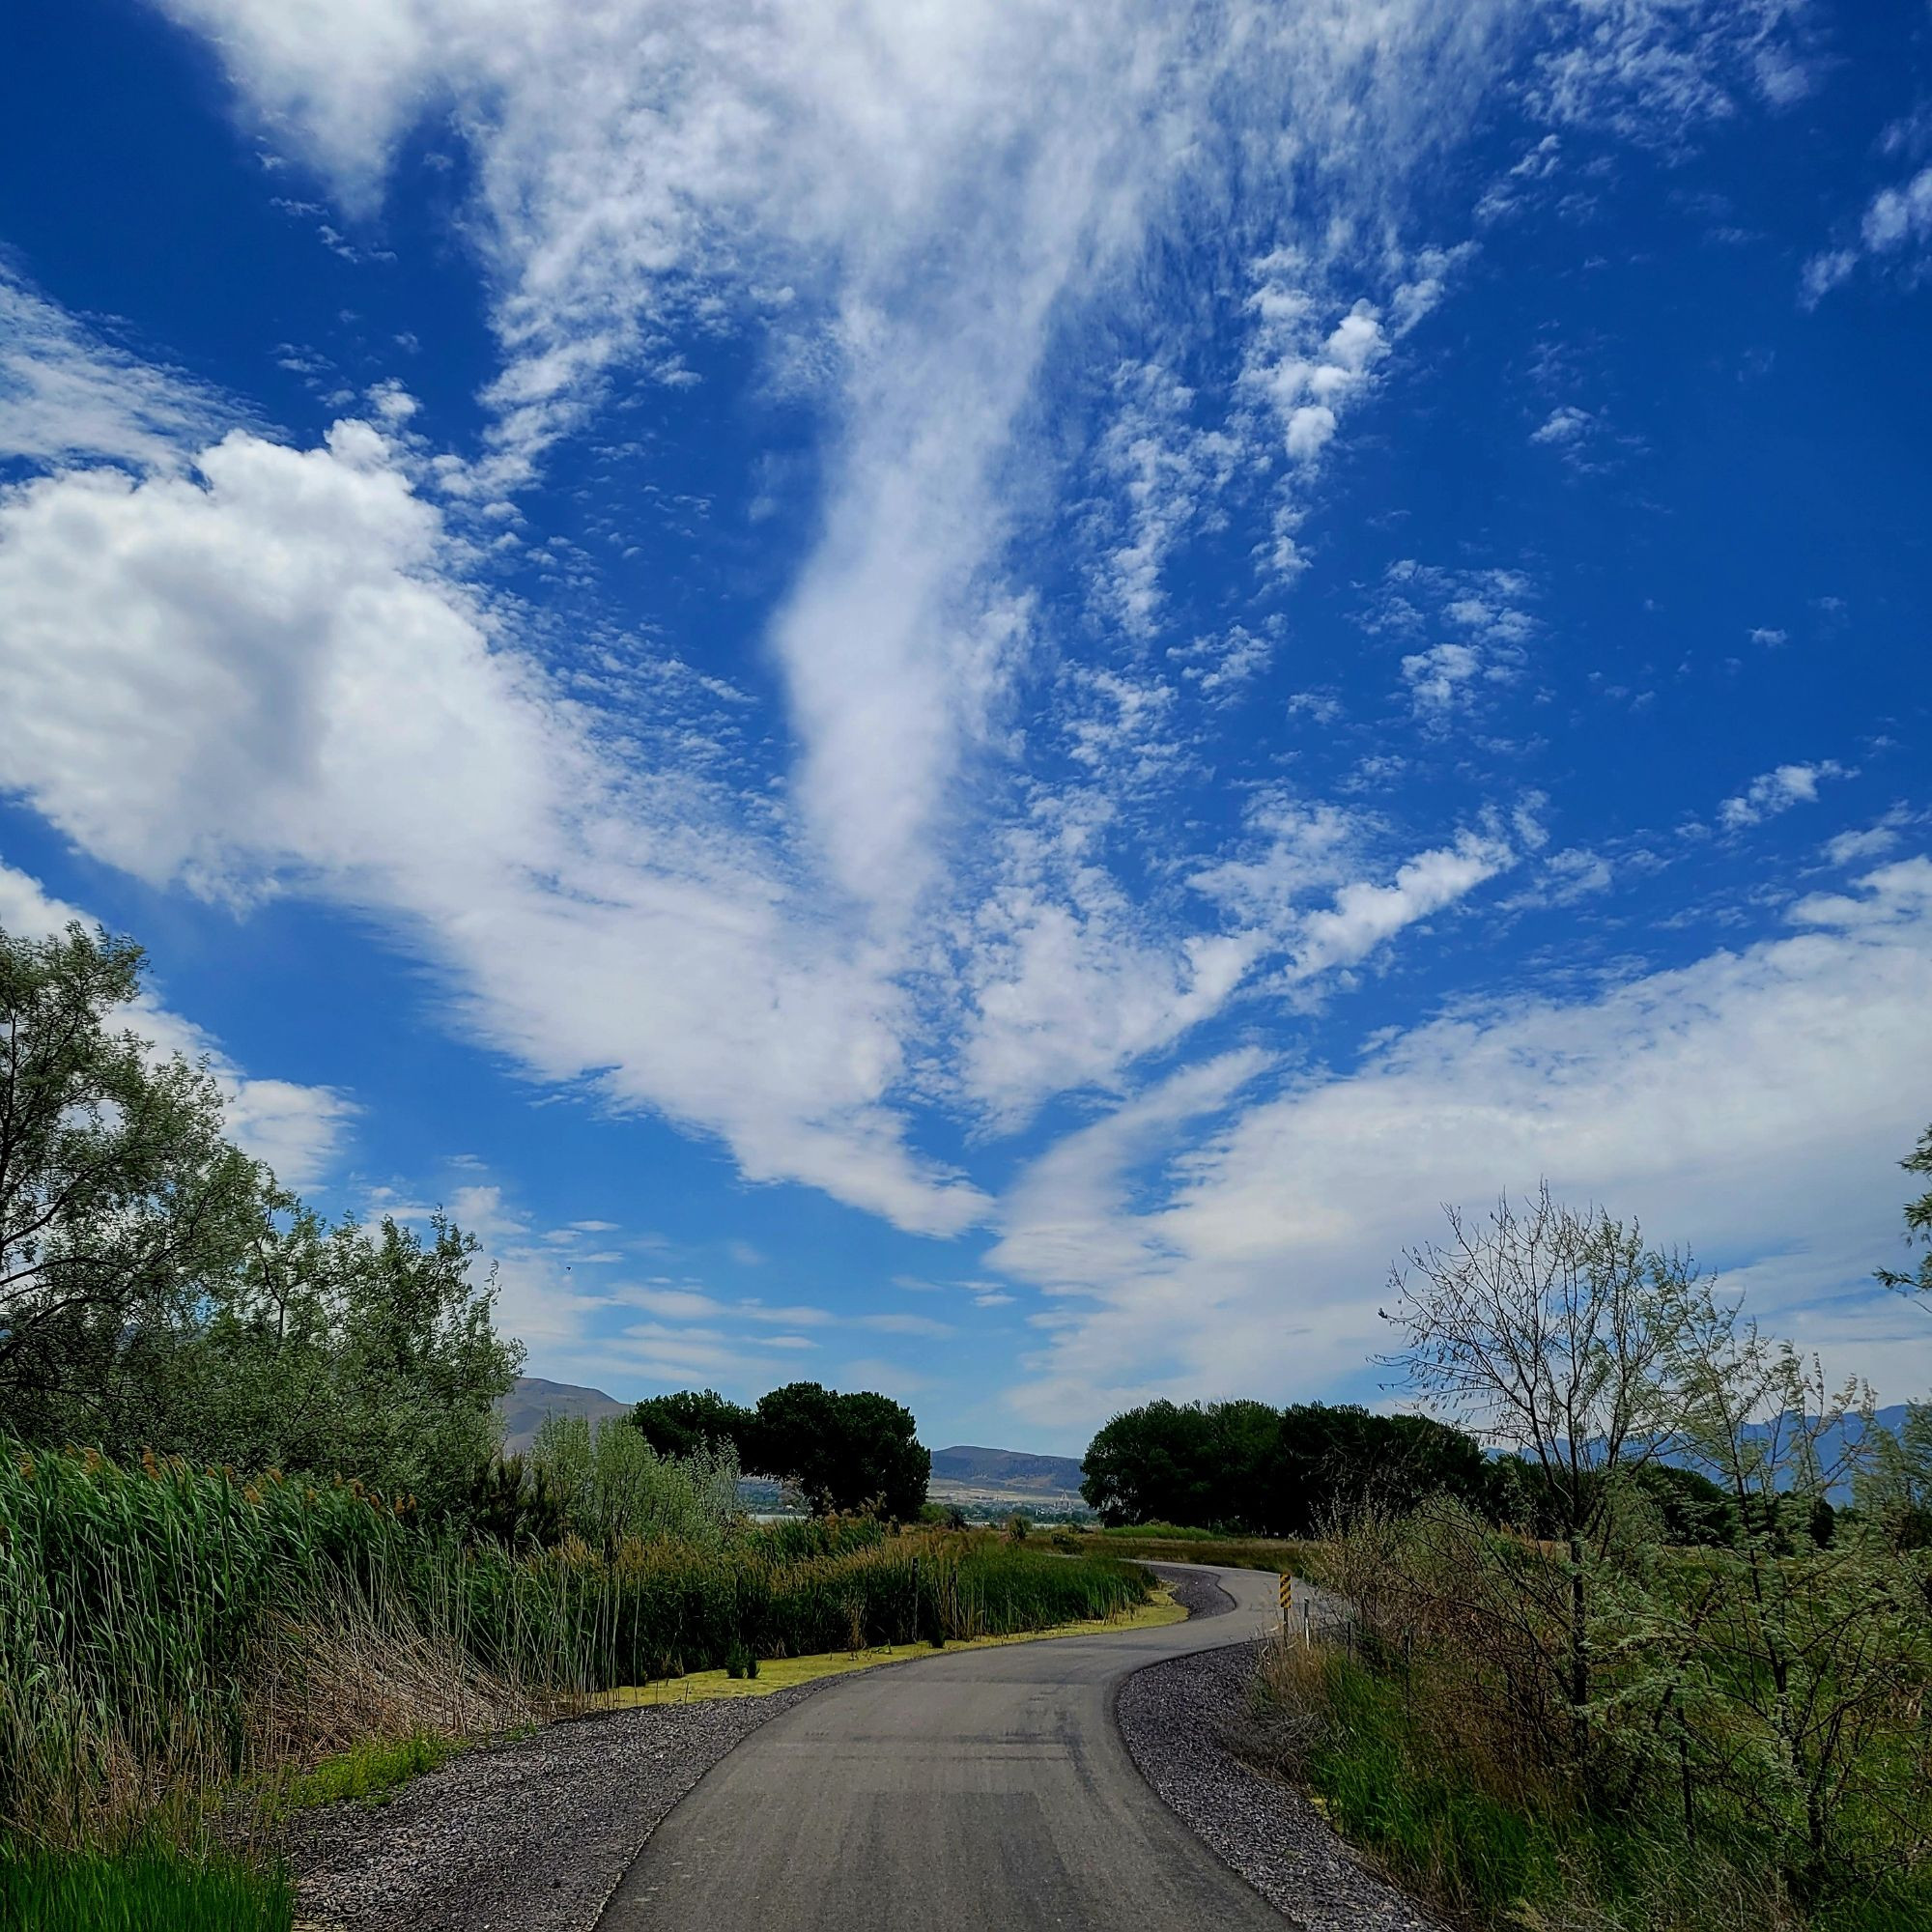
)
(1287, 1591)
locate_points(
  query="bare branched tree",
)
(1551, 1333)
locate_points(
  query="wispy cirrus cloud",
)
(1245, 1258)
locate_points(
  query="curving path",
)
(989, 1791)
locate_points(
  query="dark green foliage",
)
(1173, 1461)
(1337, 1459)
(145, 1890)
(515, 1505)
(1693, 1510)
(843, 1452)
(120, 1202)
(692, 1420)
(858, 1451)
(1256, 1471)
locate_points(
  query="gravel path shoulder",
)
(1176, 1718)
(532, 1835)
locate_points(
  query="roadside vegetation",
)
(1634, 1697)
(258, 1548)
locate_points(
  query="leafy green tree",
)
(1154, 1463)
(366, 1351)
(121, 1206)
(842, 1452)
(1335, 1460)
(1246, 1466)
(691, 1420)
(158, 1290)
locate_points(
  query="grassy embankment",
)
(1171, 1543)
(177, 1646)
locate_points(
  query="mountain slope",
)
(967, 1465)
(521, 1411)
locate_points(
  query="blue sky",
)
(967, 698)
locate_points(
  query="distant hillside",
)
(532, 1399)
(1006, 1469)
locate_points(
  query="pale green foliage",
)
(1551, 1332)
(614, 1488)
(351, 1351)
(1767, 1687)
(1917, 1226)
(1810, 1654)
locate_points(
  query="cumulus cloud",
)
(274, 671)
(1486, 612)
(1896, 227)
(1565, 425)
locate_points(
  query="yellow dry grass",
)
(780, 1673)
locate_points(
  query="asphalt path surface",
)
(986, 1791)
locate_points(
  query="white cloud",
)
(1365, 916)
(1654, 70)
(1897, 225)
(1439, 678)
(1849, 848)
(66, 394)
(1164, 474)
(907, 1324)
(279, 673)
(274, 672)
(1567, 424)
(1752, 1104)
(297, 1130)
(950, 198)
(1775, 792)
(1484, 610)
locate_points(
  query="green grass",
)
(1164, 1543)
(147, 1890)
(370, 1773)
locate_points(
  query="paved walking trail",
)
(987, 1791)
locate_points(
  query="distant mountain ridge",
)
(1832, 1443)
(532, 1398)
(969, 1466)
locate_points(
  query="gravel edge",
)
(534, 1834)
(1176, 1718)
